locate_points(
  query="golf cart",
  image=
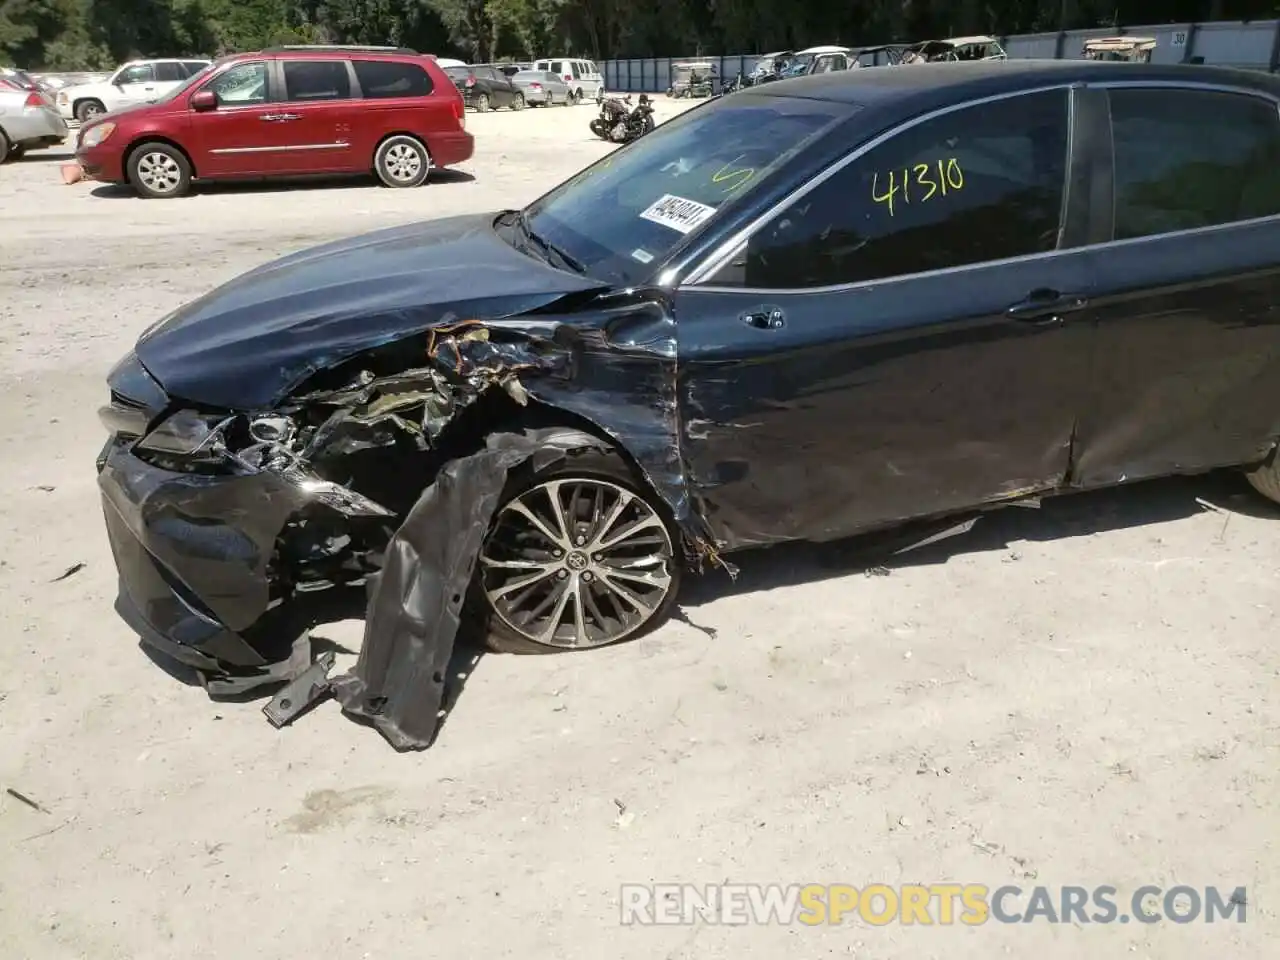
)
(693, 78)
(819, 60)
(1122, 49)
(891, 52)
(956, 48)
(770, 66)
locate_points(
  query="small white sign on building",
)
(1179, 39)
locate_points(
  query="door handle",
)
(1044, 303)
(766, 318)
(269, 116)
(289, 116)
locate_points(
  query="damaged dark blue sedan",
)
(808, 310)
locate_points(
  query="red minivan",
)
(286, 112)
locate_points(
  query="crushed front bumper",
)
(194, 555)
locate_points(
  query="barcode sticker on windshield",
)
(677, 212)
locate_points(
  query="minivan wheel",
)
(482, 103)
(402, 161)
(157, 170)
(1265, 478)
(578, 556)
(86, 110)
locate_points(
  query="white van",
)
(582, 77)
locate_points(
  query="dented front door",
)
(814, 416)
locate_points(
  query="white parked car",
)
(582, 77)
(137, 81)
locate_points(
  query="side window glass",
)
(138, 73)
(381, 79)
(1188, 158)
(577, 70)
(245, 83)
(193, 67)
(170, 72)
(312, 80)
(557, 68)
(974, 185)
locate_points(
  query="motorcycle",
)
(619, 122)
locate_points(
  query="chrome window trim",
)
(723, 253)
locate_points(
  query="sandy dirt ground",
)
(1083, 694)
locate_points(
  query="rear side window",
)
(192, 67)
(138, 73)
(382, 79)
(975, 185)
(311, 80)
(170, 72)
(1188, 158)
(577, 69)
(557, 66)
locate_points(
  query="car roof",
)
(947, 83)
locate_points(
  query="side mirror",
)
(203, 101)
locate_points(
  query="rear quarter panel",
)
(432, 119)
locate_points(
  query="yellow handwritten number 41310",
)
(950, 178)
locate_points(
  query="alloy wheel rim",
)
(159, 172)
(91, 110)
(577, 563)
(403, 163)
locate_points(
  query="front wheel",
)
(159, 171)
(88, 109)
(578, 556)
(1266, 477)
(402, 161)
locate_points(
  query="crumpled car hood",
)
(246, 344)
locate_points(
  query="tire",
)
(576, 96)
(1265, 478)
(482, 103)
(518, 102)
(599, 129)
(17, 153)
(158, 171)
(88, 109)
(402, 161)
(6, 148)
(606, 618)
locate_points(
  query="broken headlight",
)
(187, 441)
(190, 442)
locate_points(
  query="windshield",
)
(800, 62)
(457, 73)
(624, 213)
(187, 84)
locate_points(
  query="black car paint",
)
(864, 408)
(247, 344)
(489, 81)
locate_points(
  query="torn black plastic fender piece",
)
(415, 601)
